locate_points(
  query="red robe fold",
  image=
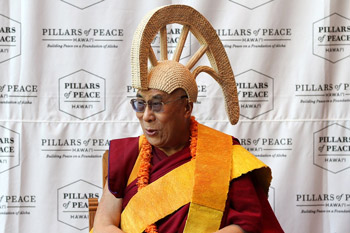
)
(246, 205)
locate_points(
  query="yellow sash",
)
(168, 194)
(211, 181)
(202, 182)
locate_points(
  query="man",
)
(181, 176)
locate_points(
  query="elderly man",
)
(181, 176)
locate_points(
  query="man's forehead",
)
(152, 94)
(158, 94)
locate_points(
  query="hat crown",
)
(170, 75)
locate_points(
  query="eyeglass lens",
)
(140, 105)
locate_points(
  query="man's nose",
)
(148, 114)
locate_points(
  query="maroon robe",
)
(246, 205)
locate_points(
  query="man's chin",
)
(152, 140)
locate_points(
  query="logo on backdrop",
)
(10, 38)
(255, 93)
(268, 147)
(254, 38)
(251, 4)
(328, 93)
(173, 36)
(82, 94)
(331, 38)
(17, 204)
(18, 94)
(9, 149)
(331, 148)
(73, 148)
(72, 203)
(82, 4)
(323, 203)
(79, 38)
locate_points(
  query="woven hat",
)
(168, 75)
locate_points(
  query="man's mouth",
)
(150, 132)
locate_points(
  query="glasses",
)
(139, 105)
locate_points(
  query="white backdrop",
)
(65, 90)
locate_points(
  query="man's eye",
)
(140, 104)
(140, 101)
(156, 104)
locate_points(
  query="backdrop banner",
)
(65, 88)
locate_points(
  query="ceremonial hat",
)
(166, 75)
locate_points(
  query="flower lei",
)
(146, 156)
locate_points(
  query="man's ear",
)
(188, 109)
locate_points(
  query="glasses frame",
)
(149, 103)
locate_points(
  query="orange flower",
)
(146, 156)
(194, 135)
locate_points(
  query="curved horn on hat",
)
(156, 21)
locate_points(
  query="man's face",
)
(169, 128)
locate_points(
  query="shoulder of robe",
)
(244, 162)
